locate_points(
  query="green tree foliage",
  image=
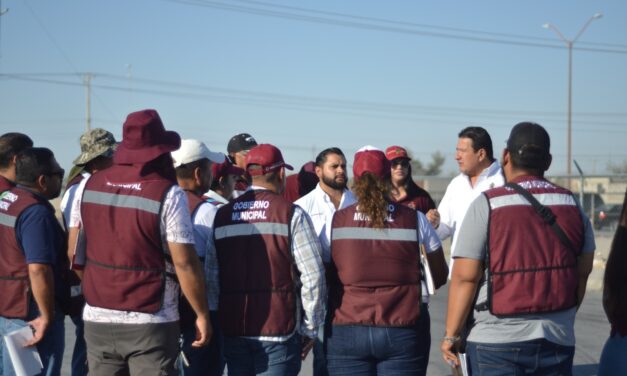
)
(433, 168)
(617, 168)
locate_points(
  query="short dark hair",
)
(186, 171)
(480, 140)
(32, 163)
(322, 156)
(11, 144)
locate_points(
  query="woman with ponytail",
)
(374, 290)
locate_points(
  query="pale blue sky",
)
(305, 81)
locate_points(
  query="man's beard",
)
(333, 184)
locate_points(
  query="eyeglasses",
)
(400, 162)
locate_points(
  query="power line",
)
(325, 106)
(307, 17)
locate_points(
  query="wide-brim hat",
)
(144, 138)
(95, 143)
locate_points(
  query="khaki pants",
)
(132, 349)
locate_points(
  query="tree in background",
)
(617, 168)
(434, 168)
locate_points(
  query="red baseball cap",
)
(219, 170)
(394, 152)
(267, 156)
(372, 161)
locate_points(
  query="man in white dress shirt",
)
(329, 196)
(479, 171)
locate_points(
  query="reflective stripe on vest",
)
(546, 199)
(7, 220)
(248, 229)
(122, 201)
(364, 233)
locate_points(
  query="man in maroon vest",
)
(137, 247)
(32, 258)
(11, 144)
(193, 162)
(524, 253)
(267, 248)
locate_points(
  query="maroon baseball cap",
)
(219, 170)
(267, 156)
(394, 152)
(371, 160)
(144, 138)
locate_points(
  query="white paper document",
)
(426, 271)
(26, 360)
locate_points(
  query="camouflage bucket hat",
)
(95, 143)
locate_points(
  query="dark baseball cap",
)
(239, 142)
(529, 137)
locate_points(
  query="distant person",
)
(614, 356)
(522, 259)
(193, 162)
(272, 286)
(374, 304)
(237, 148)
(225, 176)
(137, 231)
(97, 147)
(298, 185)
(11, 144)
(479, 171)
(33, 259)
(329, 195)
(403, 189)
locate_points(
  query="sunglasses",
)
(400, 162)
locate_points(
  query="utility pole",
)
(569, 45)
(3, 11)
(87, 81)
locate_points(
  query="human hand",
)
(204, 331)
(39, 326)
(434, 217)
(449, 353)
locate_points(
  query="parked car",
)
(607, 215)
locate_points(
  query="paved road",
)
(591, 328)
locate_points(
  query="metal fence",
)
(598, 192)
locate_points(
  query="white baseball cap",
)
(194, 150)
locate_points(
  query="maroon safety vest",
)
(5, 184)
(14, 282)
(378, 269)
(125, 265)
(257, 278)
(529, 269)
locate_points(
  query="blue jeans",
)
(246, 356)
(207, 360)
(79, 355)
(319, 357)
(614, 357)
(370, 350)
(535, 357)
(50, 348)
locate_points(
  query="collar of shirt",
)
(487, 173)
(214, 195)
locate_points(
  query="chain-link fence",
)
(602, 195)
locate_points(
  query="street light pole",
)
(569, 45)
